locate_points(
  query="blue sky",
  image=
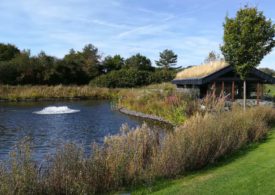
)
(192, 28)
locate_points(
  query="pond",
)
(81, 122)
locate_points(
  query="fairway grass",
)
(271, 89)
(249, 171)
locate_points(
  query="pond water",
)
(49, 124)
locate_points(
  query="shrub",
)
(132, 78)
(162, 75)
(122, 78)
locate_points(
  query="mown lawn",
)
(271, 88)
(250, 171)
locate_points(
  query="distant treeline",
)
(268, 71)
(83, 67)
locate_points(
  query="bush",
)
(123, 78)
(162, 75)
(132, 78)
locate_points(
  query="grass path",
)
(250, 171)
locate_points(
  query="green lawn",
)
(250, 171)
(271, 88)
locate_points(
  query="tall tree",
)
(247, 39)
(8, 51)
(139, 62)
(112, 63)
(91, 60)
(212, 56)
(167, 59)
(45, 65)
(268, 71)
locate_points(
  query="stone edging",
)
(142, 115)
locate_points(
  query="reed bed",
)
(136, 156)
(25, 92)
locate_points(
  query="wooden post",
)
(258, 93)
(214, 89)
(244, 95)
(262, 91)
(233, 91)
(222, 88)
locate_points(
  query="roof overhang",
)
(265, 78)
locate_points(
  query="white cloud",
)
(191, 28)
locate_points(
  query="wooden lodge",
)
(220, 79)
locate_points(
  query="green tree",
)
(84, 64)
(45, 65)
(8, 73)
(26, 68)
(247, 39)
(268, 71)
(139, 62)
(112, 63)
(91, 59)
(212, 56)
(8, 51)
(162, 75)
(123, 78)
(167, 59)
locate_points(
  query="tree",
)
(85, 63)
(45, 65)
(139, 62)
(247, 39)
(8, 51)
(123, 78)
(268, 71)
(167, 59)
(91, 59)
(112, 63)
(25, 68)
(212, 56)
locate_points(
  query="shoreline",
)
(143, 115)
(50, 99)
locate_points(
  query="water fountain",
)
(56, 110)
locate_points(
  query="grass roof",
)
(201, 71)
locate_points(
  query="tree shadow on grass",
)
(163, 183)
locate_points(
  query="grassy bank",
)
(248, 171)
(138, 156)
(25, 92)
(160, 100)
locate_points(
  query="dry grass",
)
(201, 70)
(137, 156)
(18, 93)
(36, 92)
